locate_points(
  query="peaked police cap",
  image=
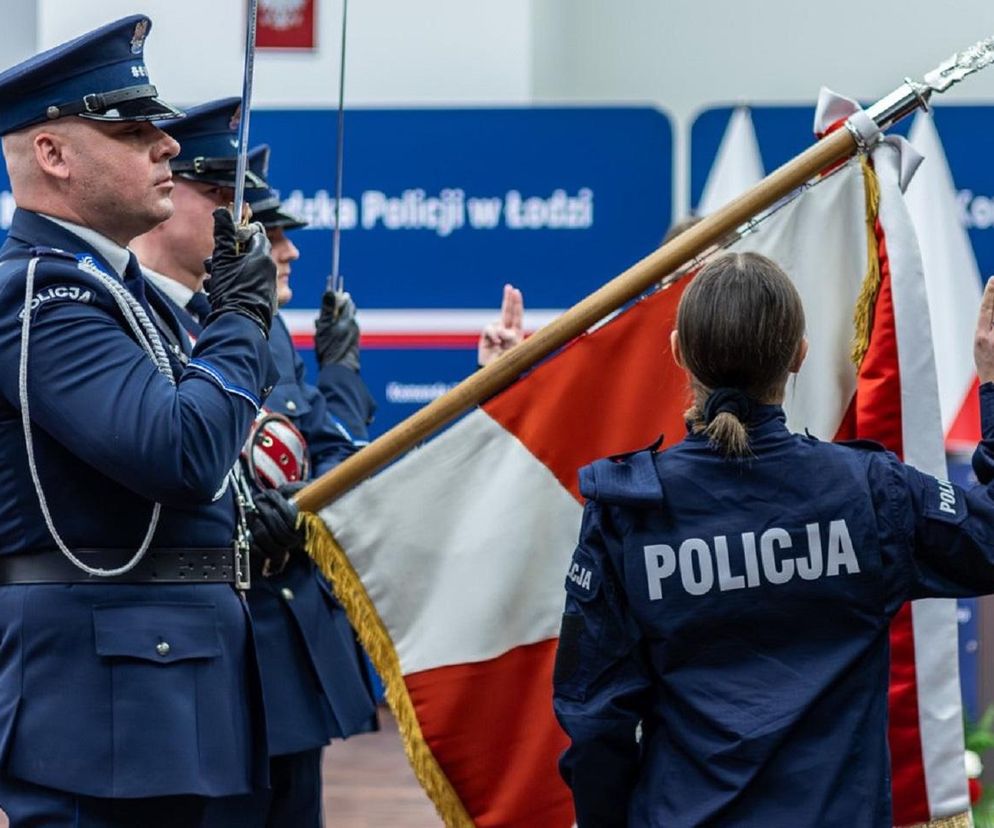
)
(100, 75)
(208, 138)
(267, 208)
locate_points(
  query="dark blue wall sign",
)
(441, 207)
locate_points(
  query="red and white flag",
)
(952, 278)
(897, 403)
(454, 557)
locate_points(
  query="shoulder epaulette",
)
(624, 479)
(53, 252)
(862, 445)
(653, 447)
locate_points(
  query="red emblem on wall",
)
(286, 24)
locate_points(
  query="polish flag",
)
(737, 166)
(451, 563)
(952, 278)
(897, 404)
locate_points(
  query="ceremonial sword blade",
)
(964, 63)
(246, 106)
(336, 282)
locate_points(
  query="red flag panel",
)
(286, 24)
(505, 774)
(623, 372)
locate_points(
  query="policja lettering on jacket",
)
(698, 564)
(947, 497)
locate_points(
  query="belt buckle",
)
(93, 102)
(243, 576)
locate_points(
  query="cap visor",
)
(140, 109)
(277, 218)
(221, 178)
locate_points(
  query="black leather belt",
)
(158, 566)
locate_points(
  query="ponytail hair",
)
(740, 324)
(723, 417)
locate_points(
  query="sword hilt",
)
(243, 231)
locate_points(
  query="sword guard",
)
(242, 231)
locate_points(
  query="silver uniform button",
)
(291, 405)
(287, 593)
(162, 648)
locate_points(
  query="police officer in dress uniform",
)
(129, 690)
(732, 594)
(315, 688)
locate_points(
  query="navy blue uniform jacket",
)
(348, 399)
(314, 683)
(87, 702)
(739, 610)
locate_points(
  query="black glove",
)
(242, 275)
(336, 334)
(273, 523)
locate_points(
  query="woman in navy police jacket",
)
(724, 651)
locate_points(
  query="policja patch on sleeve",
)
(583, 579)
(583, 582)
(944, 500)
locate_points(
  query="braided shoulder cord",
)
(148, 338)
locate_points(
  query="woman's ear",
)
(675, 350)
(802, 352)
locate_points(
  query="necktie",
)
(199, 306)
(135, 282)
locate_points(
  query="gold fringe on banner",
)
(350, 591)
(867, 301)
(964, 820)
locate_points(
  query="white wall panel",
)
(407, 52)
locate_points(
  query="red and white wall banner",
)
(286, 24)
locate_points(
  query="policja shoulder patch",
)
(944, 501)
(56, 294)
(583, 579)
